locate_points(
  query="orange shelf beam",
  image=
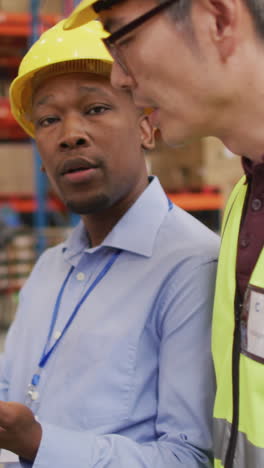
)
(29, 205)
(200, 201)
(19, 24)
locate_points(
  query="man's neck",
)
(241, 122)
(99, 224)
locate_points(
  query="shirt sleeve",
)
(13, 339)
(185, 392)
(7, 359)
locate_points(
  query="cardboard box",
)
(14, 6)
(17, 169)
(24, 6)
(202, 163)
(176, 168)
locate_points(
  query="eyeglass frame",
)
(110, 41)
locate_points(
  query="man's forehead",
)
(90, 9)
(112, 23)
(127, 11)
(80, 81)
(101, 5)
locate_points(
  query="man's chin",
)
(85, 207)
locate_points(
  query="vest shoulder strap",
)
(231, 202)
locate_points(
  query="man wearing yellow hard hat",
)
(108, 361)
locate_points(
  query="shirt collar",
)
(250, 167)
(135, 232)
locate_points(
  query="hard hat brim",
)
(80, 48)
(82, 14)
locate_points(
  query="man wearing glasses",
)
(110, 349)
(200, 66)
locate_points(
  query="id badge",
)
(252, 324)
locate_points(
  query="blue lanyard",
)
(48, 352)
(170, 204)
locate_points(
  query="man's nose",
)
(73, 141)
(73, 135)
(121, 79)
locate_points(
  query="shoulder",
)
(185, 236)
(48, 266)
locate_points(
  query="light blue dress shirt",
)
(131, 384)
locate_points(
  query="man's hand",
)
(19, 431)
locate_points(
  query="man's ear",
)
(222, 18)
(147, 133)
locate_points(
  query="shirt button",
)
(244, 243)
(80, 276)
(256, 204)
(35, 395)
(57, 335)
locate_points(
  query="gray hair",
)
(256, 9)
(180, 11)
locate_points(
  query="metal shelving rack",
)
(26, 28)
(29, 26)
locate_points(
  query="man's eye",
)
(123, 43)
(47, 121)
(96, 110)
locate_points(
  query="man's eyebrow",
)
(113, 24)
(44, 100)
(93, 90)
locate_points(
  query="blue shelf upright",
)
(40, 216)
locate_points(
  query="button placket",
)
(256, 204)
(244, 242)
(80, 276)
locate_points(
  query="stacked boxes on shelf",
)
(23, 6)
(17, 258)
(17, 169)
(200, 164)
(18, 255)
(20, 259)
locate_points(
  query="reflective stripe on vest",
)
(247, 454)
(250, 446)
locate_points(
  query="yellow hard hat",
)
(57, 52)
(86, 11)
(82, 14)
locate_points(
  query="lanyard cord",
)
(47, 353)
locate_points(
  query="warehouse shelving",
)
(27, 203)
(19, 25)
(198, 201)
(16, 31)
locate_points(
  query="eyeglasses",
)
(110, 42)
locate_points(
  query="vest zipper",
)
(230, 454)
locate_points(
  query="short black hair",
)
(180, 11)
(256, 9)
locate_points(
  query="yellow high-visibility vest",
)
(248, 449)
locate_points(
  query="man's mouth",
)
(78, 170)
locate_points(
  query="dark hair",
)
(181, 9)
(256, 9)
